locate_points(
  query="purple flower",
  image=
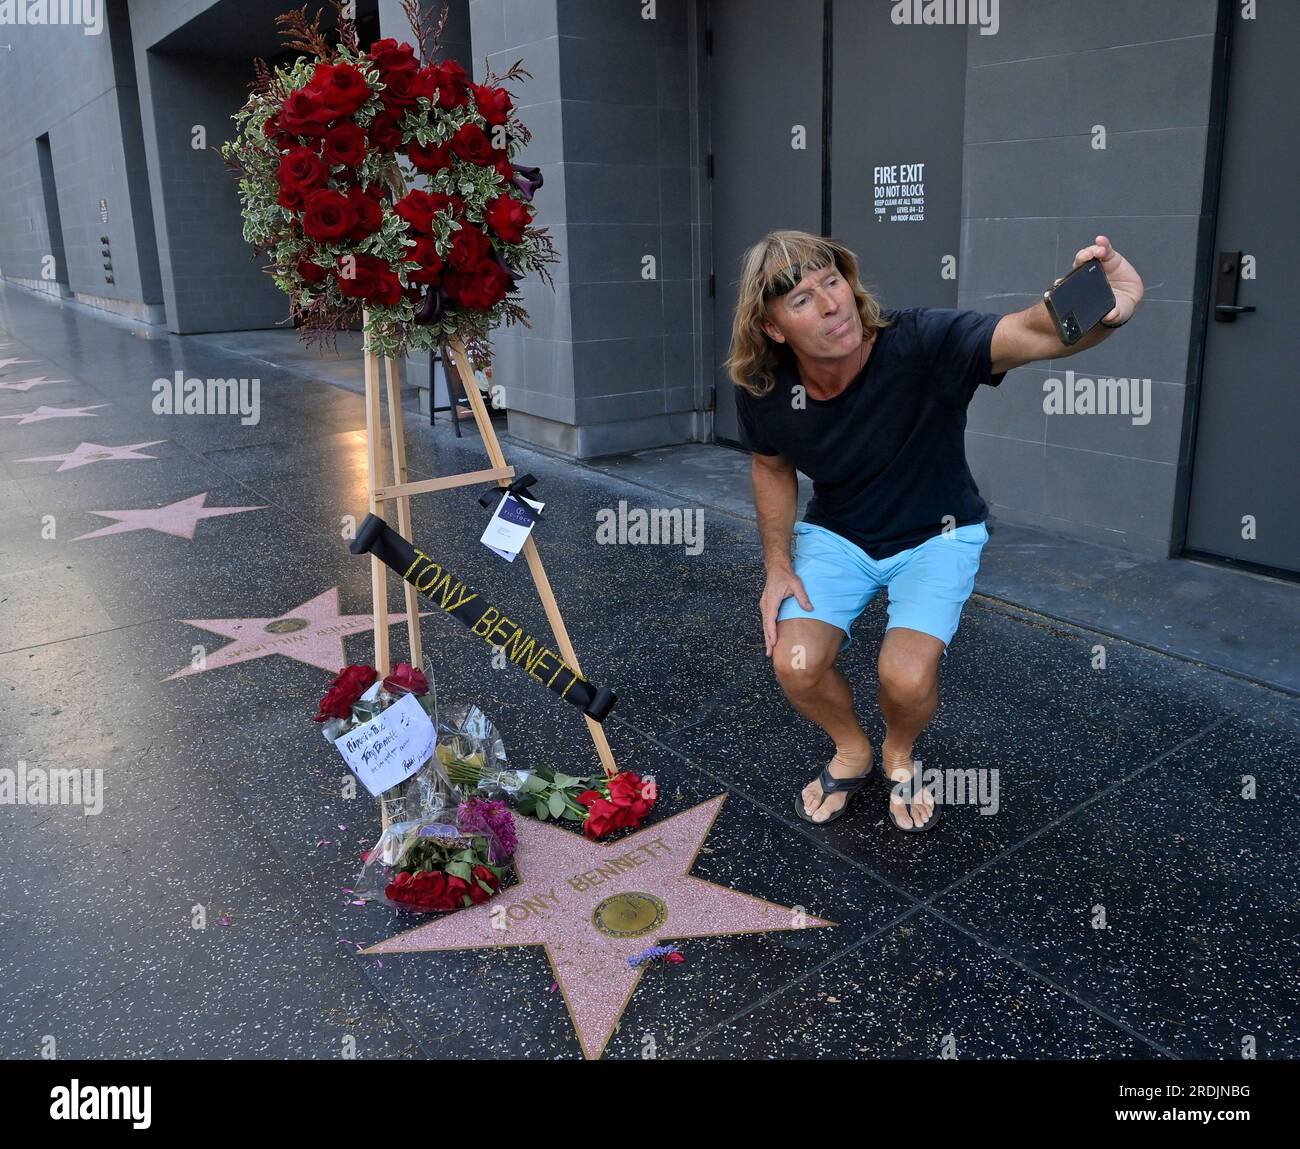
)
(651, 954)
(494, 820)
(527, 180)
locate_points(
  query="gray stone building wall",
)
(78, 92)
(610, 362)
(1035, 191)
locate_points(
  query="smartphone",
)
(1078, 302)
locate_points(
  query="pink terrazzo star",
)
(179, 519)
(87, 453)
(4, 363)
(28, 384)
(554, 903)
(312, 632)
(43, 413)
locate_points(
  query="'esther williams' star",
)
(179, 519)
(312, 632)
(43, 413)
(87, 453)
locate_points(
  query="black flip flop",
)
(830, 785)
(936, 815)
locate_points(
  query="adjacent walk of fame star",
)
(593, 905)
(87, 453)
(28, 384)
(312, 632)
(43, 413)
(179, 519)
(4, 363)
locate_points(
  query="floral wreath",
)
(323, 188)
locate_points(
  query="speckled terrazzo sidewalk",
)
(1121, 898)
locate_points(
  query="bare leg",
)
(908, 669)
(803, 660)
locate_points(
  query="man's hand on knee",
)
(782, 582)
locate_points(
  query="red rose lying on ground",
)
(435, 890)
(630, 800)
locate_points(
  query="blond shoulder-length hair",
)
(774, 265)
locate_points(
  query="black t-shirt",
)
(887, 455)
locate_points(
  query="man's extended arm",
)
(1026, 336)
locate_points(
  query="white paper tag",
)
(389, 748)
(509, 527)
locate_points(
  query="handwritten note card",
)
(391, 747)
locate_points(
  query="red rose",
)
(476, 892)
(481, 290)
(274, 132)
(676, 957)
(624, 789)
(452, 84)
(471, 143)
(427, 157)
(311, 272)
(600, 819)
(469, 247)
(493, 103)
(420, 207)
(371, 279)
(346, 144)
(370, 216)
(341, 88)
(390, 56)
(406, 679)
(301, 171)
(587, 797)
(349, 685)
(304, 114)
(402, 89)
(328, 215)
(501, 161)
(385, 133)
(506, 216)
(426, 255)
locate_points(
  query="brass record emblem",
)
(286, 625)
(629, 915)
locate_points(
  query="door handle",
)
(1227, 280)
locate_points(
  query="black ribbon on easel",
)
(453, 595)
(520, 489)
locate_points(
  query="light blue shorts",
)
(928, 584)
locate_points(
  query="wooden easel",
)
(400, 491)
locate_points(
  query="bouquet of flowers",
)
(351, 698)
(355, 696)
(434, 865)
(601, 804)
(328, 150)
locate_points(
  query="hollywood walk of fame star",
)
(87, 453)
(179, 519)
(311, 632)
(593, 905)
(43, 413)
(28, 384)
(4, 363)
